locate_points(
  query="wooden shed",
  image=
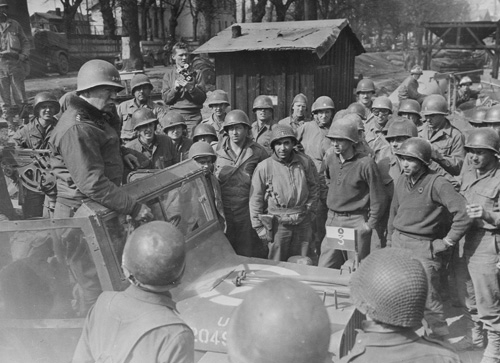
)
(285, 58)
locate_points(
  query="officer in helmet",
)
(218, 101)
(141, 324)
(390, 287)
(447, 142)
(141, 88)
(298, 112)
(356, 197)
(479, 185)
(408, 89)
(365, 90)
(174, 126)
(157, 150)
(465, 93)
(262, 127)
(35, 135)
(279, 321)
(284, 190)
(237, 158)
(87, 162)
(422, 205)
(410, 109)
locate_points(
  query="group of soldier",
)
(404, 178)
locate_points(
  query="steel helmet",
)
(171, 119)
(357, 119)
(262, 102)
(280, 321)
(493, 115)
(201, 149)
(340, 114)
(300, 97)
(409, 106)
(390, 286)
(465, 80)
(484, 138)
(236, 117)
(280, 132)
(382, 102)
(479, 115)
(400, 126)
(365, 85)
(95, 73)
(154, 255)
(416, 70)
(358, 109)
(434, 105)
(344, 128)
(45, 97)
(4, 3)
(203, 130)
(323, 103)
(217, 97)
(143, 116)
(139, 80)
(417, 148)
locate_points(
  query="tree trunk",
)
(243, 11)
(161, 12)
(195, 26)
(131, 29)
(310, 10)
(258, 11)
(108, 18)
(69, 13)
(298, 13)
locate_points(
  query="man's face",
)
(146, 132)
(482, 159)
(237, 133)
(46, 111)
(206, 162)
(416, 76)
(411, 116)
(206, 138)
(142, 93)
(181, 57)
(323, 117)
(219, 109)
(4, 12)
(410, 166)
(341, 146)
(283, 148)
(436, 122)
(175, 132)
(299, 109)
(381, 115)
(365, 98)
(465, 87)
(103, 96)
(264, 114)
(396, 142)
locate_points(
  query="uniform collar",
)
(382, 335)
(164, 298)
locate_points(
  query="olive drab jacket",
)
(13, 40)
(126, 109)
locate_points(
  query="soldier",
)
(395, 307)
(356, 196)
(410, 109)
(88, 163)
(492, 118)
(237, 158)
(422, 204)
(158, 151)
(35, 135)
(262, 128)
(376, 127)
(218, 101)
(141, 324)
(174, 125)
(358, 109)
(284, 320)
(298, 112)
(14, 53)
(465, 93)
(141, 87)
(284, 190)
(365, 90)
(480, 181)
(206, 133)
(447, 142)
(478, 117)
(409, 87)
(181, 88)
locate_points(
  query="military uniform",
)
(215, 123)
(182, 149)
(125, 111)
(160, 154)
(409, 89)
(261, 134)
(293, 122)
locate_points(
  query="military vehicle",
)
(39, 301)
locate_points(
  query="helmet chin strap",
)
(152, 288)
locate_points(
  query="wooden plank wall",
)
(86, 47)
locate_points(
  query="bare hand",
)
(144, 214)
(131, 161)
(436, 154)
(475, 211)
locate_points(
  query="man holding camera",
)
(181, 88)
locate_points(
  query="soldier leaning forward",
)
(286, 186)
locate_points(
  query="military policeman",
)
(237, 158)
(447, 142)
(174, 126)
(218, 101)
(284, 320)
(285, 190)
(422, 204)
(409, 87)
(390, 287)
(480, 184)
(262, 127)
(141, 324)
(14, 53)
(141, 88)
(298, 112)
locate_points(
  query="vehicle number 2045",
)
(206, 336)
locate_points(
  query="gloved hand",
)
(439, 245)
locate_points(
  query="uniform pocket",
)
(13, 41)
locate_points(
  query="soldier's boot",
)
(492, 351)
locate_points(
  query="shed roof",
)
(48, 16)
(317, 36)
